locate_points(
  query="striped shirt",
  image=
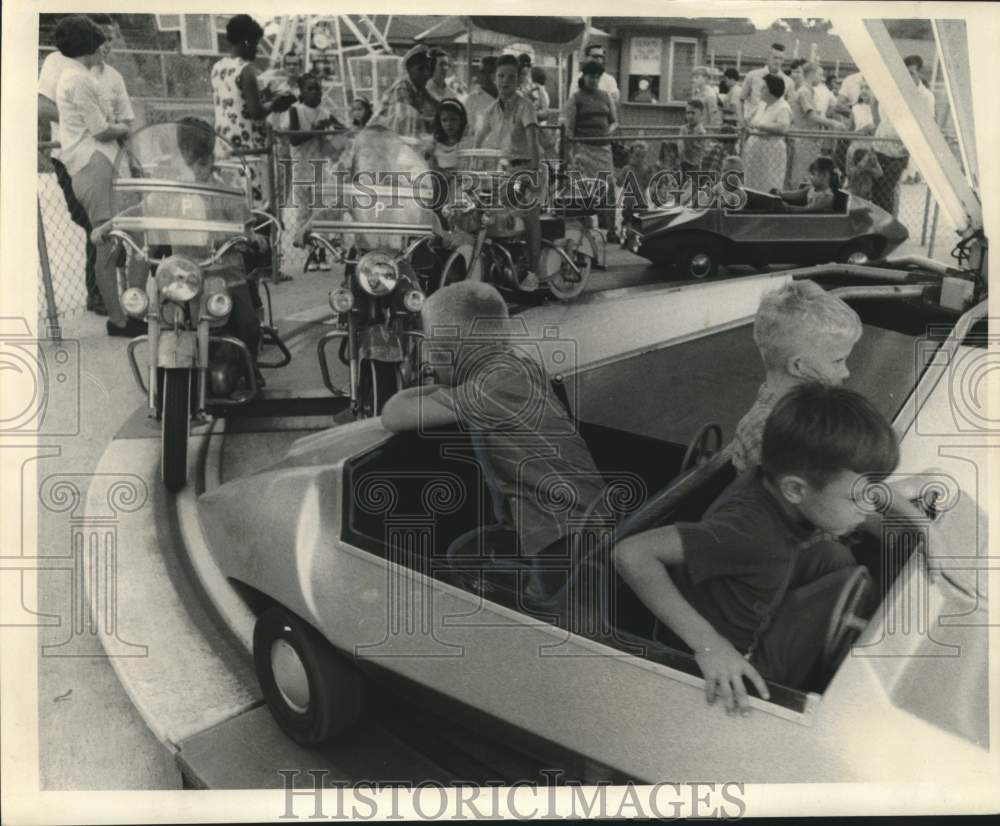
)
(535, 462)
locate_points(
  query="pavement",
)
(91, 736)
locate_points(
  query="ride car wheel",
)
(174, 427)
(567, 284)
(313, 691)
(857, 252)
(697, 262)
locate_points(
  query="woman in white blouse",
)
(88, 138)
(764, 153)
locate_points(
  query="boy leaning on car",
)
(525, 440)
(755, 581)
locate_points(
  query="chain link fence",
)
(62, 247)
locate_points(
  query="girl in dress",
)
(450, 135)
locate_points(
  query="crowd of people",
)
(769, 104)
(750, 124)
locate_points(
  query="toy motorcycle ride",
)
(489, 240)
(385, 236)
(187, 221)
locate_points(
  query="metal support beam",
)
(953, 60)
(879, 60)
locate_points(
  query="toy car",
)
(693, 242)
(339, 550)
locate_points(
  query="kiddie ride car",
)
(489, 240)
(344, 566)
(693, 242)
(188, 221)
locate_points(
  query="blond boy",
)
(803, 334)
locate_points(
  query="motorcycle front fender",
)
(379, 342)
(177, 348)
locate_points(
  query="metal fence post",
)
(927, 207)
(54, 331)
(277, 199)
(934, 220)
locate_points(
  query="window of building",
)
(645, 68)
(683, 58)
(659, 69)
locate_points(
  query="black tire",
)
(377, 382)
(335, 697)
(174, 427)
(696, 261)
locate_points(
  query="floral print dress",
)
(233, 122)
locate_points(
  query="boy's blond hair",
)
(797, 313)
(466, 309)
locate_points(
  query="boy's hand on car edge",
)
(724, 669)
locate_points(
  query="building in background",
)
(652, 58)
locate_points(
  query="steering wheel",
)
(665, 501)
(704, 444)
(845, 624)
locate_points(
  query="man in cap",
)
(407, 108)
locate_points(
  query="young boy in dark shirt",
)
(762, 569)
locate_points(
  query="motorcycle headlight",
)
(178, 279)
(377, 273)
(135, 302)
(341, 300)
(413, 301)
(219, 305)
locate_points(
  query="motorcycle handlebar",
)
(335, 250)
(125, 238)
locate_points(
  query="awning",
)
(554, 33)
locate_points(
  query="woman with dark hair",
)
(88, 140)
(240, 110)
(590, 113)
(765, 157)
(48, 129)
